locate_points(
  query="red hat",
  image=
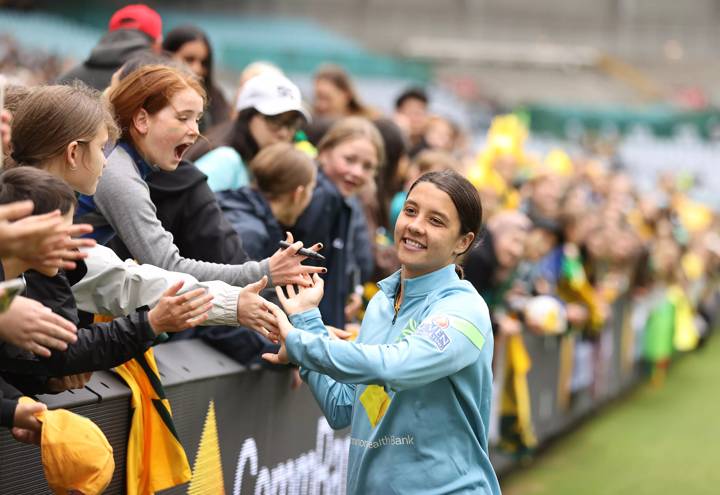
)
(139, 17)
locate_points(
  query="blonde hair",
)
(353, 128)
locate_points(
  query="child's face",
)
(164, 137)
(350, 165)
(91, 163)
(597, 243)
(621, 245)
(576, 201)
(490, 200)
(506, 166)
(440, 134)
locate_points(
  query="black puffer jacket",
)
(8, 403)
(250, 215)
(187, 208)
(111, 52)
(99, 346)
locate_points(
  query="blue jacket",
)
(416, 387)
(224, 168)
(251, 217)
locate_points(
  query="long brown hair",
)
(281, 168)
(150, 87)
(51, 117)
(337, 76)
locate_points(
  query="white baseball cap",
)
(271, 94)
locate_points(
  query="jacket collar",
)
(143, 167)
(324, 182)
(418, 286)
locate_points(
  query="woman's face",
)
(83, 176)
(193, 54)
(427, 232)
(165, 136)
(271, 129)
(350, 165)
(330, 101)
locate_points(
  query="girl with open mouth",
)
(158, 109)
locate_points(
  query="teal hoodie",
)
(415, 387)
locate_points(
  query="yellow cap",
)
(307, 148)
(76, 456)
(509, 125)
(557, 162)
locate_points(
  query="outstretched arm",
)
(442, 345)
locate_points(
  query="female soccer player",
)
(416, 385)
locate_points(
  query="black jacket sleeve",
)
(98, 347)
(8, 403)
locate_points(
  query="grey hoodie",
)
(123, 201)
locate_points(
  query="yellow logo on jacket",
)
(375, 401)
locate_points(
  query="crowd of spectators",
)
(195, 189)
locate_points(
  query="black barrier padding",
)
(21, 470)
(542, 380)
(252, 406)
(256, 405)
(183, 360)
(105, 385)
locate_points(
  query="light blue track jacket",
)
(224, 169)
(415, 387)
